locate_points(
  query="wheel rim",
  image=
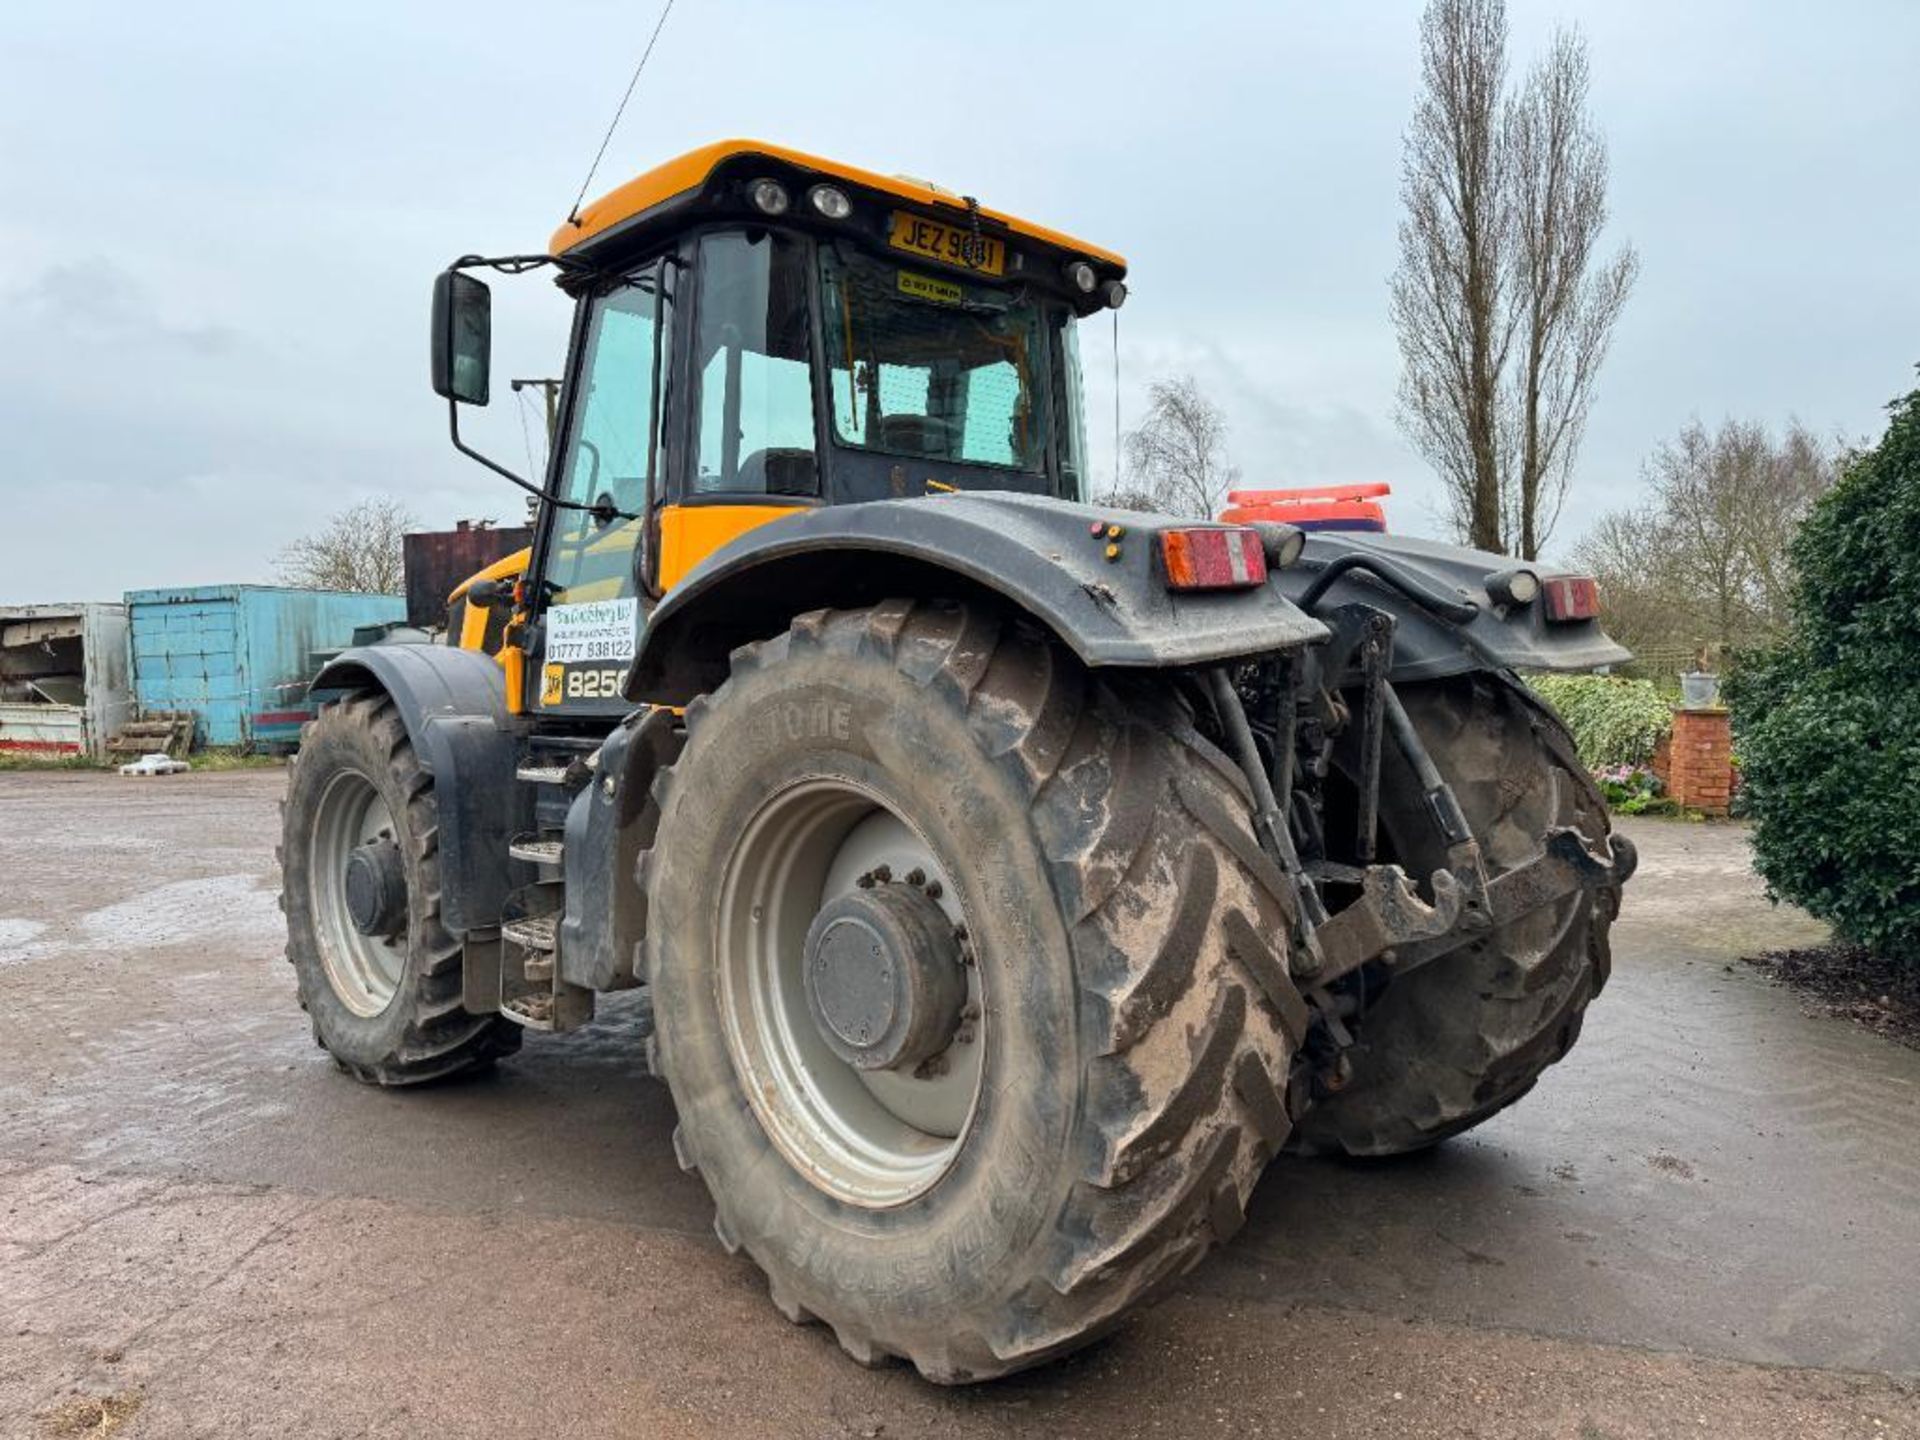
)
(874, 1138)
(364, 970)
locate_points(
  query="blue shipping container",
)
(239, 656)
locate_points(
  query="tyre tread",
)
(440, 1037)
(1149, 845)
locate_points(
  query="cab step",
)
(533, 932)
(542, 774)
(566, 1008)
(533, 1011)
(536, 852)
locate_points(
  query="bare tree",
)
(1563, 307)
(358, 549)
(1704, 562)
(1502, 318)
(1447, 294)
(1177, 460)
(1127, 498)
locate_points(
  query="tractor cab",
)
(760, 332)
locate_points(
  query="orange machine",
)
(1326, 507)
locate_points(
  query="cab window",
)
(595, 556)
(755, 407)
(930, 368)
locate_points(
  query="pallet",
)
(167, 733)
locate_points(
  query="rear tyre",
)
(361, 844)
(1124, 1030)
(1449, 1045)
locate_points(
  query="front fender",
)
(1427, 646)
(454, 706)
(1047, 557)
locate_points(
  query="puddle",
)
(18, 942)
(227, 905)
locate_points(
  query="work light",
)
(830, 201)
(769, 197)
(1513, 587)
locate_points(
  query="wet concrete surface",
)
(1705, 1221)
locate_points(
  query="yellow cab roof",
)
(690, 171)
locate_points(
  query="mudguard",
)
(454, 705)
(1427, 645)
(1048, 557)
(608, 825)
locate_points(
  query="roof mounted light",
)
(1513, 587)
(1081, 276)
(1114, 293)
(831, 201)
(769, 197)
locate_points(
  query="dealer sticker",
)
(596, 630)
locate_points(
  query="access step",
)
(534, 932)
(568, 1008)
(536, 852)
(542, 774)
(533, 1011)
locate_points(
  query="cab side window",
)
(756, 430)
(595, 557)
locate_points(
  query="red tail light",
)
(1571, 597)
(1213, 558)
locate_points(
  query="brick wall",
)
(1700, 760)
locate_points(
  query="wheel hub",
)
(884, 978)
(376, 888)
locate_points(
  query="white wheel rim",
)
(364, 970)
(872, 1138)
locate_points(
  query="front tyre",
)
(378, 973)
(960, 986)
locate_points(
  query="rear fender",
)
(1046, 557)
(454, 705)
(1429, 646)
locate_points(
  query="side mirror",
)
(462, 337)
(490, 594)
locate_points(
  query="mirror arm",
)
(453, 430)
(517, 265)
(606, 514)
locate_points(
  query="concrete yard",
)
(1706, 1222)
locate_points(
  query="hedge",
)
(1615, 721)
(1828, 724)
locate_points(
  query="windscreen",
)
(928, 367)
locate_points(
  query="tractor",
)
(1011, 877)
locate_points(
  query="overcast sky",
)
(219, 225)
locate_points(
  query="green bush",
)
(1828, 724)
(1615, 721)
(1634, 790)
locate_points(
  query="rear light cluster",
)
(1571, 597)
(1213, 558)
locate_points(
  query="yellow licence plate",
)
(947, 244)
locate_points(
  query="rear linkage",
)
(1286, 754)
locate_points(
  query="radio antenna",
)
(1118, 474)
(573, 213)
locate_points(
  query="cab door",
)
(752, 453)
(592, 560)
